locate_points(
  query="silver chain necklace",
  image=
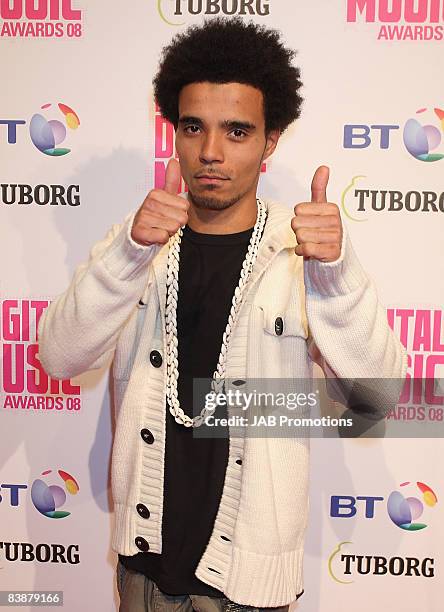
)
(171, 319)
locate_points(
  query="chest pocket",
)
(284, 316)
(280, 350)
(284, 323)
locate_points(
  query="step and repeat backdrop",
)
(81, 143)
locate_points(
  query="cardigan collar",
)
(278, 235)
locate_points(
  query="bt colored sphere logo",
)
(420, 140)
(45, 134)
(421, 135)
(404, 510)
(48, 498)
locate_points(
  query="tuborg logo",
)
(342, 565)
(357, 199)
(42, 553)
(171, 10)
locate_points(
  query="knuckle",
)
(137, 226)
(301, 234)
(150, 204)
(334, 222)
(155, 193)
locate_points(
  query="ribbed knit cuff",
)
(335, 277)
(124, 258)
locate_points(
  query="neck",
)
(236, 218)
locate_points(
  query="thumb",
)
(172, 177)
(319, 185)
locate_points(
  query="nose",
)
(212, 149)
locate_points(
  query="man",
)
(219, 283)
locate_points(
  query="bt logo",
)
(344, 506)
(359, 136)
(13, 493)
(45, 134)
(402, 511)
(46, 498)
(421, 141)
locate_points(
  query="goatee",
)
(209, 203)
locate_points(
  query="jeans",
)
(140, 594)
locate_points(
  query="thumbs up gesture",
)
(317, 224)
(162, 212)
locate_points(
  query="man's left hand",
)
(317, 224)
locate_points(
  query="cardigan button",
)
(143, 511)
(278, 326)
(142, 544)
(156, 359)
(239, 382)
(147, 436)
(239, 461)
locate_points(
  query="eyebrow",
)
(227, 123)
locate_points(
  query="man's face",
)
(221, 133)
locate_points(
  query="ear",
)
(271, 139)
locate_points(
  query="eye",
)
(240, 133)
(191, 126)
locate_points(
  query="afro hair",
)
(225, 51)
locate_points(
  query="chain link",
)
(217, 382)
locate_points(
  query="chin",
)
(209, 202)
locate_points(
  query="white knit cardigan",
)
(255, 552)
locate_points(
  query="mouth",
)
(211, 175)
(210, 179)
(207, 179)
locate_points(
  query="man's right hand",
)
(163, 212)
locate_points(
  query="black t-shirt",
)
(195, 468)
